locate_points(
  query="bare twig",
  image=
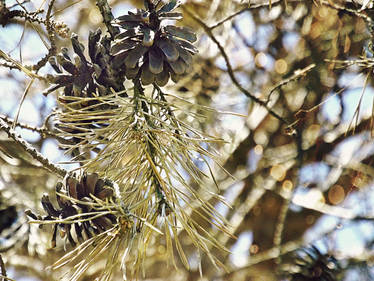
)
(51, 35)
(48, 25)
(297, 74)
(8, 65)
(19, 66)
(230, 69)
(248, 7)
(229, 17)
(3, 273)
(43, 131)
(31, 150)
(2, 268)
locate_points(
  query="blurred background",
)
(309, 61)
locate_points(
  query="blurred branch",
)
(323, 146)
(31, 150)
(329, 210)
(229, 17)
(279, 227)
(248, 7)
(230, 71)
(270, 254)
(275, 252)
(358, 13)
(244, 208)
(33, 267)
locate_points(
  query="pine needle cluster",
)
(142, 170)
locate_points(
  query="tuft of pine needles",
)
(157, 160)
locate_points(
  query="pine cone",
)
(82, 190)
(85, 77)
(314, 266)
(82, 77)
(150, 50)
(14, 229)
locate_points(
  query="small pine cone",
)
(150, 50)
(82, 190)
(82, 77)
(312, 265)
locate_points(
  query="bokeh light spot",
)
(278, 172)
(336, 194)
(280, 66)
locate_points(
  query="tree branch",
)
(43, 131)
(2, 268)
(230, 71)
(31, 150)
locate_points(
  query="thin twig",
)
(2, 268)
(31, 150)
(49, 24)
(8, 65)
(248, 8)
(3, 273)
(297, 74)
(20, 3)
(230, 69)
(229, 17)
(19, 66)
(43, 131)
(22, 100)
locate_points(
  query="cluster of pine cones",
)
(144, 49)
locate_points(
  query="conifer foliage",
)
(126, 126)
(134, 140)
